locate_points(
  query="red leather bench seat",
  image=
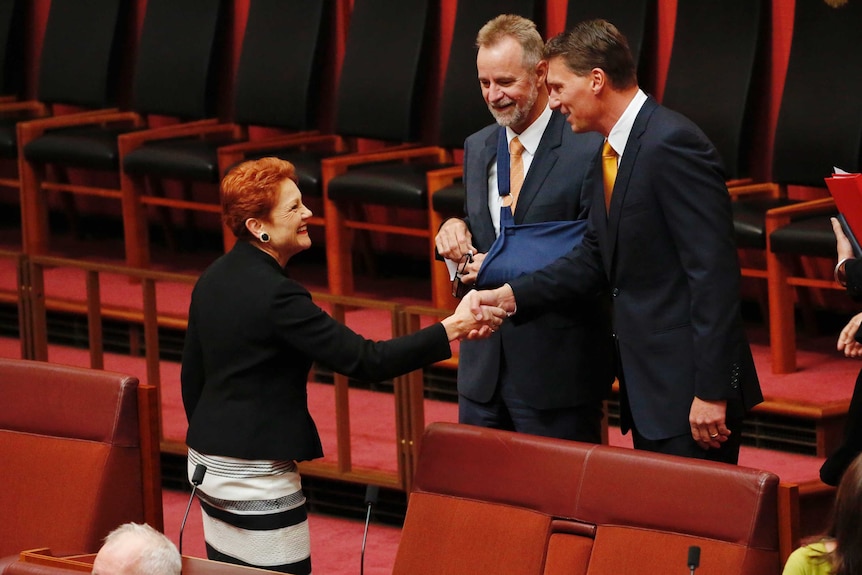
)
(70, 453)
(488, 501)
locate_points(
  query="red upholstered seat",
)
(489, 501)
(79, 456)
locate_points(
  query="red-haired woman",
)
(253, 334)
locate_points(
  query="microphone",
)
(371, 493)
(197, 479)
(693, 558)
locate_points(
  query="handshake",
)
(480, 313)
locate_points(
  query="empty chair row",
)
(381, 96)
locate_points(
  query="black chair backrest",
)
(716, 45)
(381, 89)
(81, 52)
(12, 26)
(820, 117)
(632, 17)
(462, 109)
(278, 78)
(176, 72)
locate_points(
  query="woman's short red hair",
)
(250, 190)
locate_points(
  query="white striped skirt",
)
(253, 513)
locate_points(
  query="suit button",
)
(615, 292)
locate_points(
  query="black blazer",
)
(252, 336)
(667, 250)
(837, 462)
(564, 357)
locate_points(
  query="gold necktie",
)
(516, 171)
(609, 168)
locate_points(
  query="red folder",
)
(846, 190)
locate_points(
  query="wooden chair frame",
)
(339, 259)
(441, 286)
(781, 281)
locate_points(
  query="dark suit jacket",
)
(667, 251)
(564, 357)
(837, 462)
(252, 336)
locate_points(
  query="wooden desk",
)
(84, 564)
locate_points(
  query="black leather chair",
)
(12, 31)
(175, 76)
(355, 186)
(379, 97)
(716, 53)
(714, 81)
(637, 19)
(277, 86)
(819, 127)
(78, 71)
(378, 100)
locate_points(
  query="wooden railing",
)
(409, 405)
(145, 318)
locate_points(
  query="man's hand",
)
(847, 338)
(707, 420)
(845, 250)
(502, 297)
(454, 239)
(472, 324)
(472, 269)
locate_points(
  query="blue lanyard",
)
(503, 163)
(503, 181)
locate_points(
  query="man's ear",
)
(542, 71)
(599, 80)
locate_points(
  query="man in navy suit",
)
(549, 376)
(664, 245)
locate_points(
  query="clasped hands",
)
(487, 308)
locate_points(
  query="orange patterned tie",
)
(516, 170)
(609, 168)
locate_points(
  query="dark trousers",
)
(686, 446)
(509, 412)
(838, 462)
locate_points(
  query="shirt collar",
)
(531, 137)
(623, 128)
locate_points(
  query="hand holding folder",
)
(846, 189)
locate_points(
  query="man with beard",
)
(664, 245)
(547, 376)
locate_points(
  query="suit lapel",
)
(624, 177)
(487, 156)
(542, 164)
